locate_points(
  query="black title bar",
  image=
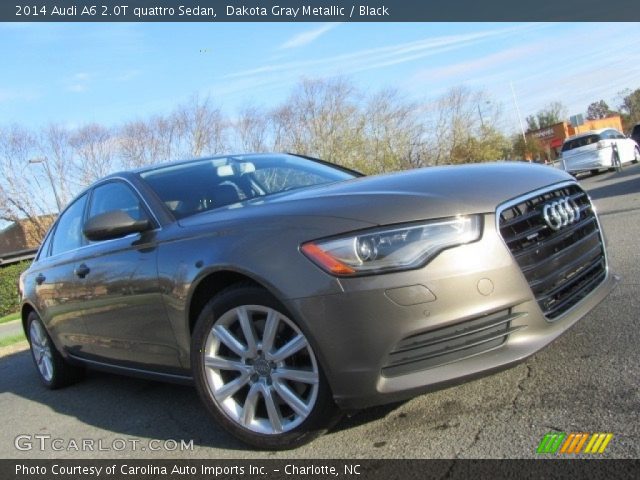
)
(315, 469)
(316, 11)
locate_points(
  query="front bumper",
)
(354, 332)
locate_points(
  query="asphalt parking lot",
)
(587, 381)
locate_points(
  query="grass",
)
(10, 317)
(6, 341)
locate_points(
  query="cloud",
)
(369, 59)
(79, 82)
(282, 73)
(77, 87)
(483, 63)
(128, 75)
(22, 94)
(307, 37)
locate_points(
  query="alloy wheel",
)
(260, 369)
(41, 350)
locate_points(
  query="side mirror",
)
(113, 224)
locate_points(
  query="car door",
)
(59, 297)
(125, 312)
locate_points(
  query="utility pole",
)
(513, 92)
(45, 164)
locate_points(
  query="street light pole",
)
(481, 120)
(513, 92)
(45, 163)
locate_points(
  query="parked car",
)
(595, 150)
(635, 133)
(287, 288)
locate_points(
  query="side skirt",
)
(133, 372)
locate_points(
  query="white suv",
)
(595, 150)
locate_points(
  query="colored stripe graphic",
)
(598, 443)
(573, 443)
(551, 442)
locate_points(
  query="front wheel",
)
(257, 373)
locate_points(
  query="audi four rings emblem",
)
(561, 213)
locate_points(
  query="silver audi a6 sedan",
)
(287, 288)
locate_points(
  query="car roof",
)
(589, 132)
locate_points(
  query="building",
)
(21, 239)
(552, 137)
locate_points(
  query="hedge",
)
(9, 298)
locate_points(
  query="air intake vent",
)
(450, 344)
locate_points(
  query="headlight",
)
(399, 247)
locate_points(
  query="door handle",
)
(40, 279)
(82, 270)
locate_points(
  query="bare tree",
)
(394, 133)
(203, 126)
(455, 121)
(23, 194)
(252, 129)
(463, 126)
(55, 151)
(320, 118)
(328, 118)
(553, 113)
(145, 142)
(95, 150)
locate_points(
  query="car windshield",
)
(579, 142)
(193, 187)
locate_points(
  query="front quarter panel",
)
(266, 251)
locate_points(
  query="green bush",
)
(9, 298)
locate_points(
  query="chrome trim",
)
(560, 213)
(514, 201)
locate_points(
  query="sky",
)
(74, 74)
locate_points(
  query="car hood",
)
(402, 197)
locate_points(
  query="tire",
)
(53, 370)
(636, 155)
(257, 373)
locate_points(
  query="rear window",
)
(579, 142)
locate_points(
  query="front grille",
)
(562, 266)
(450, 344)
